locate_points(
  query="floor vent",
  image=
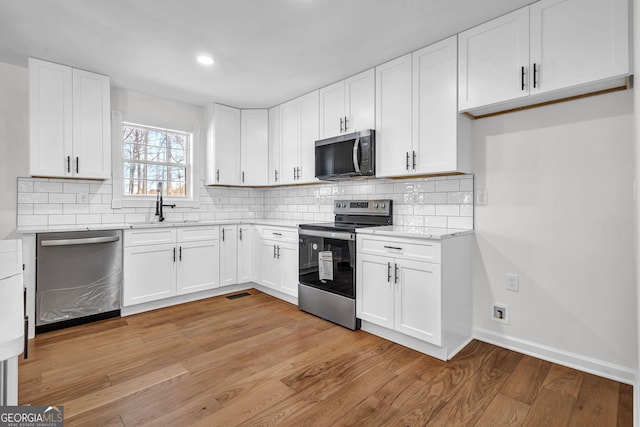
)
(240, 295)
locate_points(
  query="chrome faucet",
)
(160, 204)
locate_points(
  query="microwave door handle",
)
(356, 163)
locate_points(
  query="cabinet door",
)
(332, 112)
(228, 255)
(375, 290)
(393, 117)
(50, 119)
(246, 236)
(227, 144)
(149, 273)
(309, 133)
(270, 267)
(418, 300)
(274, 146)
(290, 136)
(360, 94)
(254, 147)
(288, 258)
(198, 267)
(574, 42)
(435, 108)
(91, 126)
(491, 59)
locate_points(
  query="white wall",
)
(559, 214)
(14, 140)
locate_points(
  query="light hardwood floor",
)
(257, 360)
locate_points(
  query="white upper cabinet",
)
(274, 146)
(254, 136)
(418, 128)
(393, 117)
(223, 145)
(348, 105)
(440, 137)
(70, 126)
(298, 134)
(574, 42)
(550, 50)
(494, 60)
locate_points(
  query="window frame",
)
(120, 200)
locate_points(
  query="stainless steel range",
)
(327, 265)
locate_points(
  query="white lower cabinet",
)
(416, 288)
(279, 260)
(164, 262)
(246, 258)
(401, 294)
(228, 255)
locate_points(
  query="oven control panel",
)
(362, 207)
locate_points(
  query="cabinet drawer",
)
(198, 234)
(419, 250)
(284, 234)
(149, 236)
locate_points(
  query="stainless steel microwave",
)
(346, 156)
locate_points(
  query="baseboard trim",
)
(590, 365)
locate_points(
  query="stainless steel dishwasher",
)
(78, 277)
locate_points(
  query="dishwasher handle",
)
(82, 241)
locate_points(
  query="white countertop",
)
(415, 232)
(155, 224)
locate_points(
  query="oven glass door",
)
(328, 263)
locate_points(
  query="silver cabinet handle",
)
(77, 164)
(341, 125)
(223, 234)
(218, 175)
(345, 124)
(294, 174)
(414, 159)
(535, 72)
(174, 254)
(356, 163)
(69, 164)
(407, 161)
(84, 241)
(240, 233)
(180, 256)
(388, 272)
(395, 279)
(243, 177)
(274, 251)
(393, 247)
(277, 234)
(275, 175)
(278, 251)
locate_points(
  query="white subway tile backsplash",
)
(47, 187)
(432, 202)
(447, 210)
(75, 188)
(463, 222)
(447, 185)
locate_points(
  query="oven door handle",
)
(339, 235)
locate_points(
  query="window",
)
(153, 155)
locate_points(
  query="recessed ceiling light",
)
(205, 60)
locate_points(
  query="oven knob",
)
(382, 205)
(375, 205)
(337, 205)
(344, 205)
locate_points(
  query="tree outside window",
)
(151, 155)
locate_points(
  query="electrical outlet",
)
(83, 198)
(481, 198)
(513, 282)
(500, 313)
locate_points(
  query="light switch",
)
(513, 282)
(481, 198)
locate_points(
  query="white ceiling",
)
(266, 51)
